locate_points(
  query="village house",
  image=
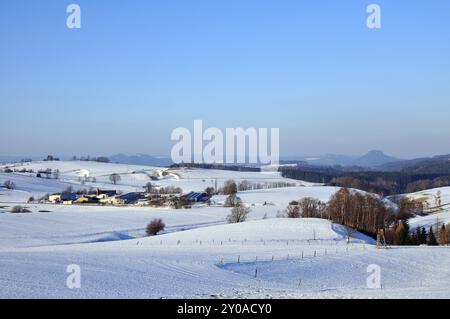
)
(195, 197)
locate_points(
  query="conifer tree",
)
(431, 238)
(423, 236)
(418, 236)
(413, 239)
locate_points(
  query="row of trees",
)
(246, 185)
(367, 213)
(379, 182)
(101, 159)
(403, 236)
(362, 211)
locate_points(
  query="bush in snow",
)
(155, 226)
(238, 214)
(9, 185)
(20, 209)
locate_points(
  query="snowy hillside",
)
(437, 200)
(221, 261)
(198, 254)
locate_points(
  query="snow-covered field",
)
(198, 255)
(203, 263)
(436, 200)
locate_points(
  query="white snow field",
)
(198, 255)
(432, 198)
(203, 263)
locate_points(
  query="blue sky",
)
(138, 69)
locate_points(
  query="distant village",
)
(113, 197)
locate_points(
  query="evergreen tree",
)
(418, 236)
(431, 238)
(413, 239)
(423, 236)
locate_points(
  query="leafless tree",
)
(238, 214)
(148, 187)
(229, 187)
(114, 177)
(56, 174)
(233, 201)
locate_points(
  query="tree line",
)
(378, 182)
(369, 214)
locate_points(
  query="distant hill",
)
(140, 159)
(372, 159)
(429, 165)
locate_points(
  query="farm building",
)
(87, 199)
(65, 198)
(197, 197)
(129, 198)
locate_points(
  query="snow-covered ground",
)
(198, 255)
(436, 200)
(221, 261)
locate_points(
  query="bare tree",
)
(209, 191)
(349, 232)
(438, 200)
(293, 211)
(229, 187)
(233, 201)
(56, 174)
(238, 214)
(311, 207)
(114, 177)
(148, 187)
